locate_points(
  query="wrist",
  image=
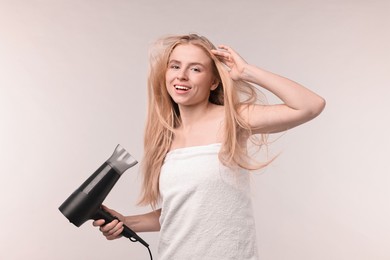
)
(249, 73)
(256, 75)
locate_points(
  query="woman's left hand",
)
(232, 60)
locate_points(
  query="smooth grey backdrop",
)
(72, 86)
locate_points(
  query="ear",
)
(214, 85)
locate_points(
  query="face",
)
(189, 76)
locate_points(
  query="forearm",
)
(291, 93)
(148, 222)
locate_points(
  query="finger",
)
(233, 54)
(99, 222)
(109, 226)
(224, 47)
(118, 232)
(114, 235)
(222, 54)
(115, 229)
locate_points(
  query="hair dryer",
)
(85, 202)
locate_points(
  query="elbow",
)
(321, 105)
(317, 107)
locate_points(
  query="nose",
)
(182, 74)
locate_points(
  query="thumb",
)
(113, 212)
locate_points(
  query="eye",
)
(174, 66)
(196, 69)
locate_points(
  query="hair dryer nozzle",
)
(121, 160)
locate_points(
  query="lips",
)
(183, 88)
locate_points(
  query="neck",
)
(190, 115)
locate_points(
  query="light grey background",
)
(72, 86)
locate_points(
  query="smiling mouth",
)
(179, 87)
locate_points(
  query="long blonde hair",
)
(163, 115)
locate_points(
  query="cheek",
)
(167, 79)
(167, 84)
(169, 75)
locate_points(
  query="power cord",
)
(132, 239)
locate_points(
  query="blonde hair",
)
(163, 115)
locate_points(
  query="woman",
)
(202, 110)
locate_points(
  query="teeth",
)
(182, 87)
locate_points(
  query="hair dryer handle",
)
(127, 232)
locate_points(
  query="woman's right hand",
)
(113, 229)
(232, 60)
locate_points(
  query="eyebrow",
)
(191, 63)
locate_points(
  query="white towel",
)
(206, 208)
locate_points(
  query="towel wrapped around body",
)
(206, 208)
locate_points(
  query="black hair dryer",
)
(85, 203)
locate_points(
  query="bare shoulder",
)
(215, 123)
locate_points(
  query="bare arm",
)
(299, 103)
(148, 222)
(138, 223)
